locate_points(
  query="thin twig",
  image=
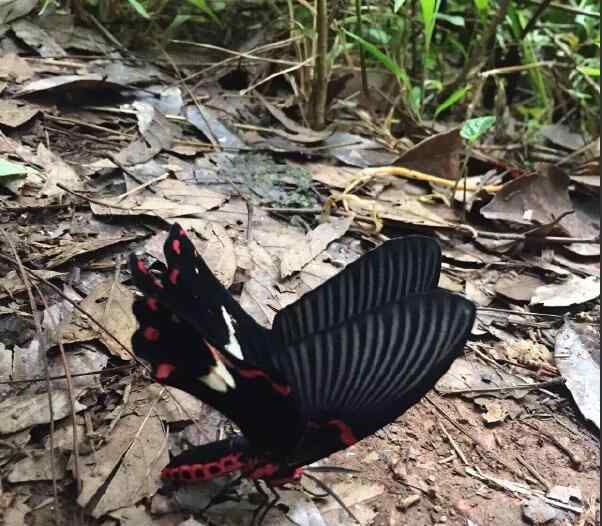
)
(43, 342)
(141, 187)
(109, 370)
(521, 387)
(453, 444)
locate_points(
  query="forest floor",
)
(100, 153)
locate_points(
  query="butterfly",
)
(340, 363)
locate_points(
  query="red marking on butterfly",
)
(142, 267)
(204, 472)
(174, 275)
(253, 374)
(347, 436)
(176, 246)
(158, 284)
(151, 334)
(152, 304)
(164, 371)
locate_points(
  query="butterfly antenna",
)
(330, 492)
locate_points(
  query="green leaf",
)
(378, 36)
(474, 129)
(415, 100)
(454, 98)
(139, 8)
(430, 8)
(383, 59)
(589, 71)
(203, 6)
(482, 5)
(12, 170)
(398, 5)
(454, 20)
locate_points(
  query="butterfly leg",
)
(221, 494)
(271, 504)
(265, 504)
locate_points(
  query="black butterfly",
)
(340, 363)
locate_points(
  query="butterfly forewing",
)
(397, 268)
(188, 288)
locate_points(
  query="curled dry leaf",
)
(316, 242)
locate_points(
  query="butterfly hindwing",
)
(362, 375)
(397, 268)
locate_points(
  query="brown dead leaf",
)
(518, 287)
(315, 243)
(14, 68)
(333, 176)
(24, 411)
(127, 469)
(56, 171)
(72, 249)
(37, 465)
(14, 114)
(573, 291)
(173, 199)
(261, 296)
(111, 305)
(540, 200)
(12, 284)
(438, 155)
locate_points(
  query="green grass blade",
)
(139, 8)
(454, 98)
(385, 60)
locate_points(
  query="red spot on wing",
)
(164, 371)
(254, 374)
(173, 276)
(182, 232)
(151, 334)
(142, 267)
(176, 246)
(152, 304)
(347, 436)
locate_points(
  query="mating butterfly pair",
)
(340, 363)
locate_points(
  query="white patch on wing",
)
(233, 347)
(219, 379)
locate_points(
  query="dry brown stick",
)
(534, 472)
(141, 187)
(70, 393)
(453, 444)
(319, 95)
(109, 370)
(522, 387)
(91, 199)
(42, 341)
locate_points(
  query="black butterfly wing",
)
(354, 379)
(260, 406)
(188, 288)
(397, 268)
